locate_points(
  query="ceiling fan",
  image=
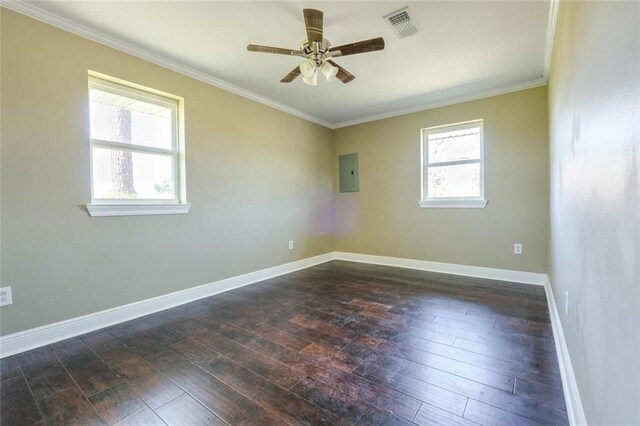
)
(318, 53)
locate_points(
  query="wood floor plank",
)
(344, 405)
(419, 389)
(69, 407)
(9, 367)
(479, 360)
(286, 406)
(280, 337)
(142, 417)
(272, 370)
(233, 333)
(186, 411)
(383, 333)
(485, 414)
(381, 397)
(533, 409)
(486, 336)
(379, 417)
(428, 415)
(113, 353)
(501, 380)
(408, 328)
(44, 373)
(17, 405)
(322, 326)
(98, 337)
(339, 403)
(329, 357)
(541, 392)
(310, 334)
(148, 384)
(116, 403)
(217, 397)
(87, 370)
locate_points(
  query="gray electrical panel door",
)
(348, 167)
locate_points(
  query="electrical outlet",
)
(566, 303)
(5, 296)
(290, 244)
(517, 248)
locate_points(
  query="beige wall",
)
(256, 178)
(594, 108)
(384, 217)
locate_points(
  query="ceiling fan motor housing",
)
(318, 52)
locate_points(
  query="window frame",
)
(147, 206)
(450, 202)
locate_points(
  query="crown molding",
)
(42, 15)
(551, 32)
(437, 104)
(551, 36)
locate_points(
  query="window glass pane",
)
(120, 119)
(454, 146)
(454, 181)
(132, 175)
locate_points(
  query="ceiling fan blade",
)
(342, 75)
(364, 46)
(313, 19)
(276, 50)
(291, 76)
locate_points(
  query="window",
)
(137, 152)
(452, 166)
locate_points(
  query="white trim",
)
(98, 210)
(452, 204)
(551, 35)
(39, 14)
(575, 411)
(40, 336)
(441, 103)
(121, 146)
(447, 268)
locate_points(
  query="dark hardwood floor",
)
(339, 343)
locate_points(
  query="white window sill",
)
(136, 209)
(452, 204)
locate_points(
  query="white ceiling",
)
(465, 48)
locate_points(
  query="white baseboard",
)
(47, 334)
(447, 268)
(575, 410)
(40, 336)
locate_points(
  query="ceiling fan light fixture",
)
(318, 53)
(308, 68)
(311, 80)
(329, 71)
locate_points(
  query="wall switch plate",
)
(5, 296)
(517, 248)
(566, 303)
(290, 244)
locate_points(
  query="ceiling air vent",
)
(402, 22)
